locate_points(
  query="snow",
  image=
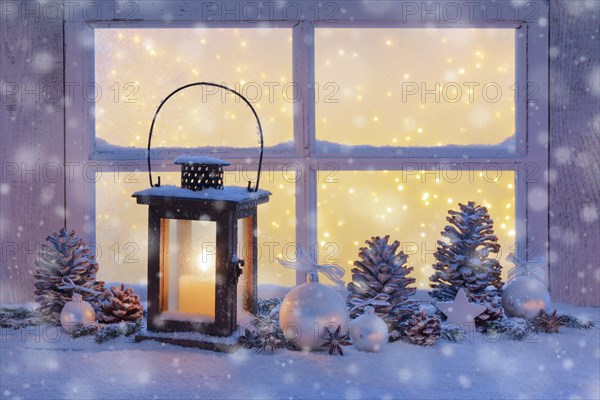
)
(40, 362)
(101, 146)
(326, 147)
(228, 193)
(199, 160)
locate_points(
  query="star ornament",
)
(460, 311)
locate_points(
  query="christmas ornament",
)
(307, 310)
(422, 329)
(524, 295)
(335, 340)
(68, 256)
(383, 270)
(460, 311)
(76, 312)
(549, 322)
(464, 261)
(120, 304)
(369, 332)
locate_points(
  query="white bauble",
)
(76, 312)
(524, 297)
(369, 332)
(305, 312)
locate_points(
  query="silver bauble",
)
(369, 332)
(305, 312)
(524, 297)
(76, 312)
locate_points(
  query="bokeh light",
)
(411, 207)
(122, 224)
(137, 68)
(415, 87)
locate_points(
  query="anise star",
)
(335, 340)
(549, 322)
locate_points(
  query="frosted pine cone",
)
(464, 261)
(383, 269)
(120, 304)
(493, 311)
(422, 329)
(64, 256)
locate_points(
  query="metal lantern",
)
(193, 263)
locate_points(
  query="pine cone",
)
(464, 261)
(66, 255)
(382, 270)
(422, 329)
(493, 311)
(120, 305)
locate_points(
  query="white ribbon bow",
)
(531, 268)
(379, 300)
(304, 262)
(67, 283)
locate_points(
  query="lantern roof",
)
(228, 193)
(207, 160)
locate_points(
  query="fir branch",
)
(266, 334)
(576, 323)
(85, 330)
(518, 328)
(453, 333)
(18, 317)
(104, 332)
(112, 331)
(17, 313)
(266, 306)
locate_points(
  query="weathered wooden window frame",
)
(529, 161)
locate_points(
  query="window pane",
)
(137, 68)
(122, 225)
(411, 207)
(415, 87)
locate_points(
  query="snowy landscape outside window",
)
(371, 128)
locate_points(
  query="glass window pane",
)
(415, 87)
(411, 207)
(137, 68)
(122, 225)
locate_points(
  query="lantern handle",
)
(260, 133)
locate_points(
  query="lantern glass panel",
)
(189, 269)
(415, 87)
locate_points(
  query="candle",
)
(197, 295)
(197, 292)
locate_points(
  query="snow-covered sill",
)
(507, 148)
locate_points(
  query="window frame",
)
(529, 162)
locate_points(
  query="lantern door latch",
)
(236, 270)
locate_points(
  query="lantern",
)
(193, 263)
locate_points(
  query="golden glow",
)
(415, 216)
(372, 72)
(443, 81)
(137, 68)
(122, 227)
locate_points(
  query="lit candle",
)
(197, 292)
